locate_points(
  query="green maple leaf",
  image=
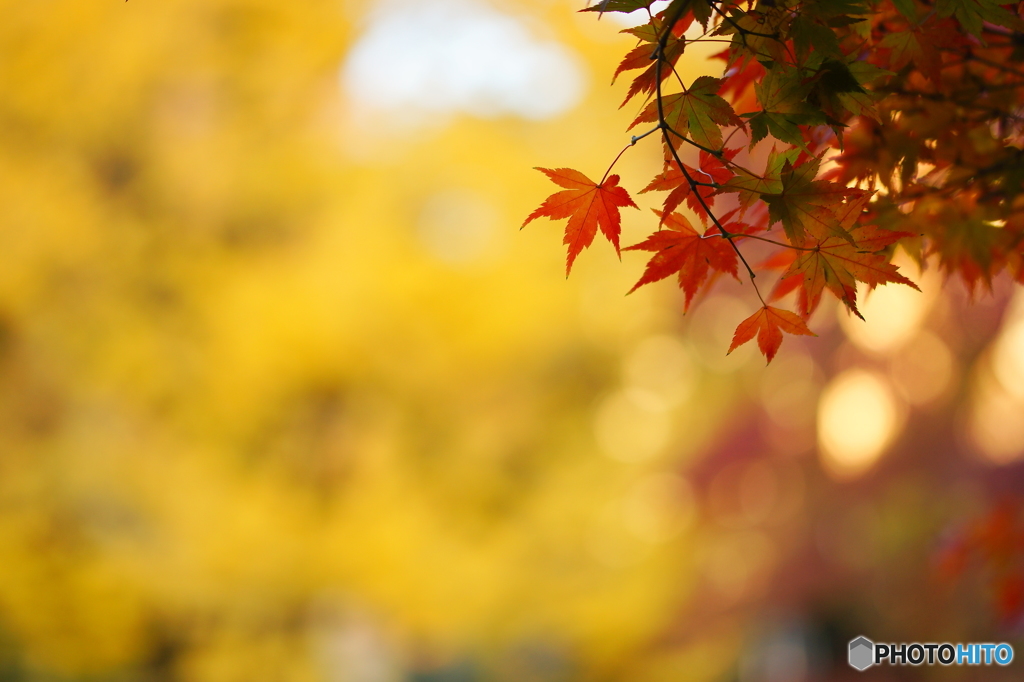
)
(806, 206)
(831, 9)
(906, 47)
(698, 113)
(783, 127)
(862, 102)
(906, 8)
(837, 92)
(759, 34)
(972, 14)
(751, 187)
(619, 6)
(783, 98)
(807, 33)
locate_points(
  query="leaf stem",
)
(614, 161)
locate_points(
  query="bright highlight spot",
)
(996, 426)
(1008, 354)
(442, 57)
(892, 314)
(858, 418)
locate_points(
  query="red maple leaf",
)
(681, 249)
(767, 324)
(738, 79)
(710, 170)
(588, 206)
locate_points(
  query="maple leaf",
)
(972, 14)
(698, 112)
(863, 102)
(809, 33)
(834, 84)
(783, 96)
(626, 6)
(756, 33)
(808, 206)
(752, 187)
(588, 206)
(911, 46)
(710, 170)
(642, 56)
(681, 249)
(678, 187)
(971, 247)
(837, 265)
(737, 80)
(767, 324)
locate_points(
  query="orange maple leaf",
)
(588, 206)
(742, 72)
(642, 56)
(681, 249)
(768, 323)
(835, 264)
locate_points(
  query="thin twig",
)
(741, 235)
(662, 42)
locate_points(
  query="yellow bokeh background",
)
(246, 415)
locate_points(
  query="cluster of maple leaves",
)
(854, 125)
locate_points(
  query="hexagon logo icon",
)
(862, 653)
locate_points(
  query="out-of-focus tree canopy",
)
(256, 404)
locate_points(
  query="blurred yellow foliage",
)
(251, 428)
